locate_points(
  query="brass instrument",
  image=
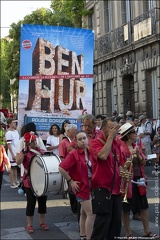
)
(126, 176)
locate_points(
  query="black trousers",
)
(1, 178)
(31, 203)
(108, 226)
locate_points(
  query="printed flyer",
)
(56, 75)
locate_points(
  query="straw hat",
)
(125, 129)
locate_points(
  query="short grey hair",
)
(89, 117)
(71, 126)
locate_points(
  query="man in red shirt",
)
(106, 162)
(89, 126)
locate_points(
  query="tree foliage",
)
(5, 82)
(63, 13)
(71, 9)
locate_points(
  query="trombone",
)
(125, 174)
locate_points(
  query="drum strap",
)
(34, 151)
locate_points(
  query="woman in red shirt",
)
(137, 160)
(76, 169)
(25, 157)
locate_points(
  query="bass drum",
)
(44, 175)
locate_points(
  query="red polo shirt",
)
(126, 154)
(63, 148)
(103, 170)
(75, 165)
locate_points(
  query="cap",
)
(129, 113)
(125, 129)
(29, 136)
(142, 117)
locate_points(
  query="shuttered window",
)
(148, 5)
(108, 15)
(110, 97)
(126, 11)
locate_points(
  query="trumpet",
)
(126, 176)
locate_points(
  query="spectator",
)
(63, 132)
(156, 144)
(144, 131)
(52, 143)
(120, 120)
(99, 119)
(12, 139)
(2, 134)
(129, 116)
(4, 160)
(136, 124)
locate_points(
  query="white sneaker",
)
(13, 186)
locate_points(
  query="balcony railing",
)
(117, 38)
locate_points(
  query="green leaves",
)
(64, 13)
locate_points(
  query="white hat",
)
(142, 117)
(129, 113)
(125, 129)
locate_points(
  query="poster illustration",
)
(56, 75)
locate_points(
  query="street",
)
(62, 223)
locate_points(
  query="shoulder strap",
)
(115, 159)
(113, 179)
(101, 140)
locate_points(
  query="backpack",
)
(153, 132)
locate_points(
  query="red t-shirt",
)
(103, 170)
(75, 165)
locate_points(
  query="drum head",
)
(37, 175)
(44, 175)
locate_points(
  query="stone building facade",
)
(126, 56)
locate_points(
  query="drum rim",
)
(45, 188)
(46, 175)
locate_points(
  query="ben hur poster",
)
(56, 75)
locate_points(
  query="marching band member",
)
(76, 169)
(25, 157)
(106, 179)
(134, 160)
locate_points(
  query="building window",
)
(152, 94)
(126, 11)
(91, 20)
(108, 25)
(110, 97)
(148, 5)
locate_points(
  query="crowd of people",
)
(101, 158)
